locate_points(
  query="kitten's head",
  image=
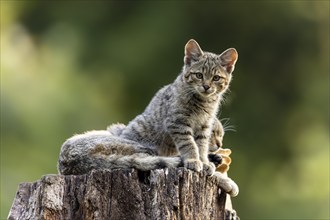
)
(208, 73)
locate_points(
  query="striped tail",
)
(138, 161)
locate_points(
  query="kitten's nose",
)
(206, 87)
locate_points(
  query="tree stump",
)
(121, 194)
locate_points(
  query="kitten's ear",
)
(228, 59)
(192, 52)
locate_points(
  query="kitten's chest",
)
(201, 122)
(202, 114)
(201, 107)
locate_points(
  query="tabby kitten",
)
(174, 129)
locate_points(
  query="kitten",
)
(174, 129)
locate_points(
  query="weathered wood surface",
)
(121, 194)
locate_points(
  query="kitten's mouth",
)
(206, 92)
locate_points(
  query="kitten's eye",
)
(216, 78)
(199, 75)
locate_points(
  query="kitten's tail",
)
(140, 161)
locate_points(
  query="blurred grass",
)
(68, 67)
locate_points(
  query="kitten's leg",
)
(202, 138)
(226, 183)
(182, 136)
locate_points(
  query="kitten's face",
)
(206, 72)
(207, 76)
(217, 135)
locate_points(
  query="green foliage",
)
(71, 66)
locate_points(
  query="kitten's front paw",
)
(231, 215)
(193, 164)
(215, 158)
(226, 184)
(209, 168)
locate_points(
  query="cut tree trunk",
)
(121, 194)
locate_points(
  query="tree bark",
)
(121, 194)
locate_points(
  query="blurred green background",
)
(68, 67)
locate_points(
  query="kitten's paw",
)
(231, 215)
(209, 168)
(215, 158)
(226, 184)
(193, 164)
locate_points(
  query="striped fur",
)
(174, 129)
